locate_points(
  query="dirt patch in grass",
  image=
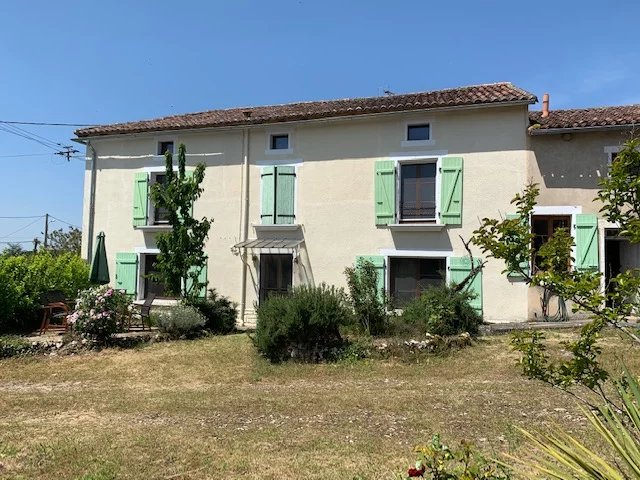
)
(211, 408)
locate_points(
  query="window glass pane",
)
(418, 132)
(279, 142)
(411, 276)
(160, 215)
(418, 191)
(543, 226)
(164, 147)
(152, 285)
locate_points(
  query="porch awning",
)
(261, 244)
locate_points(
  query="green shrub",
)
(365, 297)
(442, 311)
(220, 312)
(100, 312)
(181, 320)
(24, 278)
(304, 325)
(14, 347)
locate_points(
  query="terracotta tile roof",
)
(620, 116)
(463, 96)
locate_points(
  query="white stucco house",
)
(300, 191)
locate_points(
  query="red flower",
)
(414, 472)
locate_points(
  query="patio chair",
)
(145, 310)
(54, 306)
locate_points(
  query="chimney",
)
(545, 105)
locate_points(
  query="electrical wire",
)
(51, 145)
(50, 124)
(32, 216)
(70, 224)
(22, 228)
(26, 155)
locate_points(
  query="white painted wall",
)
(335, 196)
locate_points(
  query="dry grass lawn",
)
(212, 409)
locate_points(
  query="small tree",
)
(66, 242)
(13, 250)
(367, 300)
(511, 240)
(182, 249)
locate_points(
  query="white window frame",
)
(414, 161)
(417, 143)
(560, 210)
(141, 251)
(388, 254)
(151, 174)
(282, 151)
(610, 150)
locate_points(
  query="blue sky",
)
(104, 62)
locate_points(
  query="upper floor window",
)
(164, 147)
(418, 132)
(279, 141)
(418, 192)
(160, 214)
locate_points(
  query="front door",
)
(276, 274)
(152, 285)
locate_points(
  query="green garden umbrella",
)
(99, 267)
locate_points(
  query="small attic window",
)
(164, 147)
(418, 132)
(279, 141)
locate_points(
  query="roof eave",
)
(558, 131)
(311, 120)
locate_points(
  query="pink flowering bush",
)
(100, 312)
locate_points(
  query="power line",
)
(31, 216)
(26, 155)
(50, 124)
(22, 228)
(9, 129)
(16, 241)
(70, 224)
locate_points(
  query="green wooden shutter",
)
(140, 198)
(586, 242)
(285, 194)
(378, 262)
(459, 269)
(127, 272)
(268, 183)
(451, 190)
(523, 265)
(202, 278)
(385, 192)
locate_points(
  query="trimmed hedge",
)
(24, 278)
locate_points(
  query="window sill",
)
(416, 227)
(288, 227)
(417, 143)
(160, 302)
(154, 228)
(279, 151)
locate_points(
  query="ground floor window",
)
(152, 286)
(543, 227)
(276, 274)
(409, 277)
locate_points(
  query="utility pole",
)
(67, 151)
(46, 230)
